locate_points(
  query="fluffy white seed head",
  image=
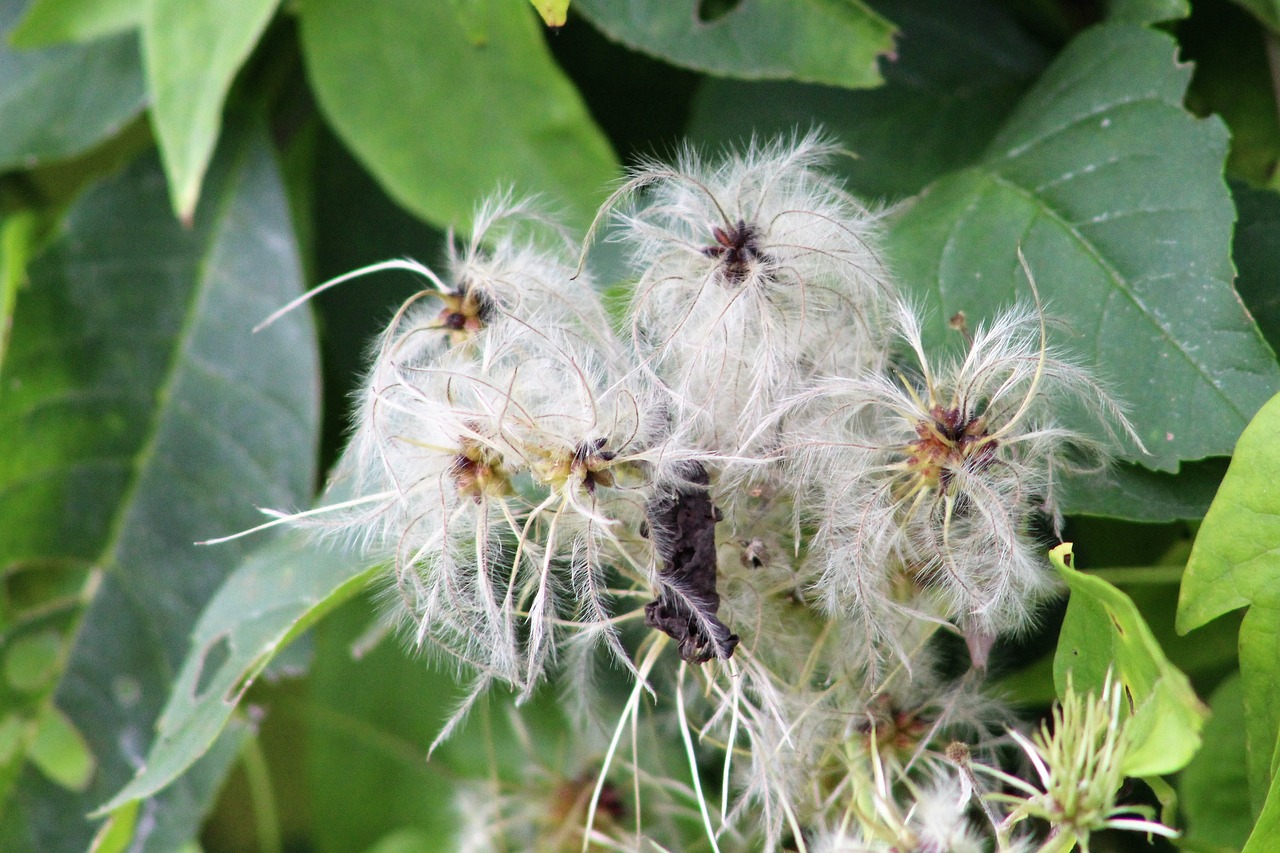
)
(755, 271)
(927, 483)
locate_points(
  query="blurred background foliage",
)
(174, 170)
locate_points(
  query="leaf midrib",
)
(142, 458)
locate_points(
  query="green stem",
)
(1060, 841)
(266, 819)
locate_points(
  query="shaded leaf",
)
(1147, 11)
(1234, 564)
(50, 22)
(1138, 265)
(961, 66)
(273, 596)
(193, 49)
(1213, 787)
(1233, 81)
(1133, 492)
(63, 100)
(139, 415)
(837, 42)
(368, 727)
(1102, 631)
(1257, 255)
(373, 711)
(445, 109)
(1267, 11)
(356, 224)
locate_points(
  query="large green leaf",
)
(63, 100)
(837, 42)
(140, 415)
(960, 68)
(369, 723)
(275, 595)
(193, 49)
(1213, 788)
(1235, 564)
(371, 716)
(49, 22)
(1103, 631)
(1079, 180)
(446, 103)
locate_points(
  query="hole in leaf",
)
(710, 11)
(216, 654)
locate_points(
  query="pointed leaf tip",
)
(554, 12)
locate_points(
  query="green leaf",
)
(445, 111)
(1267, 11)
(370, 720)
(1234, 564)
(32, 662)
(50, 22)
(140, 415)
(1102, 631)
(17, 235)
(961, 67)
(276, 594)
(1135, 493)
(63, 100)
(193, 49)
(373, 711)
(114, 835)
(61, 752)
(1267, 829)
(1233, 81)
(1257, 255)
(836, 42)
(1147, 11)
(356, 224)
(1139, 265)
(409, 840)
(553, 12)
(1213, 788)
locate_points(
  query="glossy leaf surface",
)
(193, 49)
(1234, 564)
(448, 103)
(1103, 631)
(1138, 265)
(62, 100)
(836, 42)
(140, 415)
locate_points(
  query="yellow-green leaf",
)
(1102, 631)
(554, 12)
(192, 50)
